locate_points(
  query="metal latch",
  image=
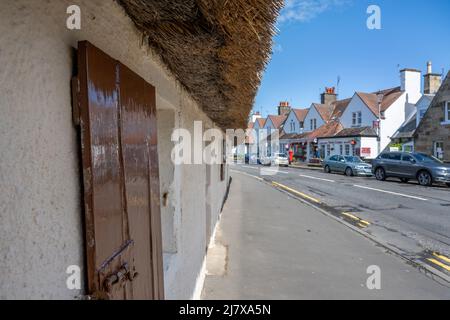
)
(119, 278)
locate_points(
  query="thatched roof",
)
(217, 49)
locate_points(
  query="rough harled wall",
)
(431, 128)
(40, 206)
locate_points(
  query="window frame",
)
(347, 149)
(447, 112)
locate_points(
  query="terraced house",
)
(87, 119)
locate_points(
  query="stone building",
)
(432, 136)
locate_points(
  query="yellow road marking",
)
(443, 258)
(350, 216)
(362, 225)
(440, 264)
(295, 192)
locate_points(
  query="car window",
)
(334, 158)
(341, 158)
(385, 156)
(353, 159)
(407, 158)
(426, 158)
(395, 156)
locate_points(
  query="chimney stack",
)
(284, 108)
(256, 115)
(329, 96)
(432, 81)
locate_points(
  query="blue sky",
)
(320, 40)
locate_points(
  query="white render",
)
(394, 117)
(357, 105)
(269, 125)
(411, 84)
(292, 119)
(336, 142)
(41, 231)
(312, 114)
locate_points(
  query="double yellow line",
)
(440, 260)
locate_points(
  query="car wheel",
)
(448, 185)
(424, 178)
(349, 172)
(327, 169)
(404, 180)
(380, 174)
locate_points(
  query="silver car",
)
(349, 165)
(411, 166)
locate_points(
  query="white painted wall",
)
(292, 119)
(269, 125)
(313, 114)
(410, 82)
(357, 105)
(394, 117)
(40, 205)
(361, 142)
(372, 143)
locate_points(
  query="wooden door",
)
(121, 182)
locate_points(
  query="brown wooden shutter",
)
(121, 179)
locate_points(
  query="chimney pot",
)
(429, 67)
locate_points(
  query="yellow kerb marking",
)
(440, 264)
(443, 258)
(350, 216)
(295, 192)
(362, 225)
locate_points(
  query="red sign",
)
(365, 151)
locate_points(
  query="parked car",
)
(279, 159)
(349, 165)
(411, 166)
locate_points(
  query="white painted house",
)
(350, 142)
(396, 105)
(405, 134)
(316, 117)
(295, 121)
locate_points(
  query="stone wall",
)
(431, 129)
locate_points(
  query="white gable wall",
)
(269, 124)
(313, 114)
(292, 118)
(357, 105)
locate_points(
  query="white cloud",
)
(306, 10)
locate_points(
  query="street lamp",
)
(380, 97)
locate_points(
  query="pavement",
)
(409, 218)
(270, 244)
